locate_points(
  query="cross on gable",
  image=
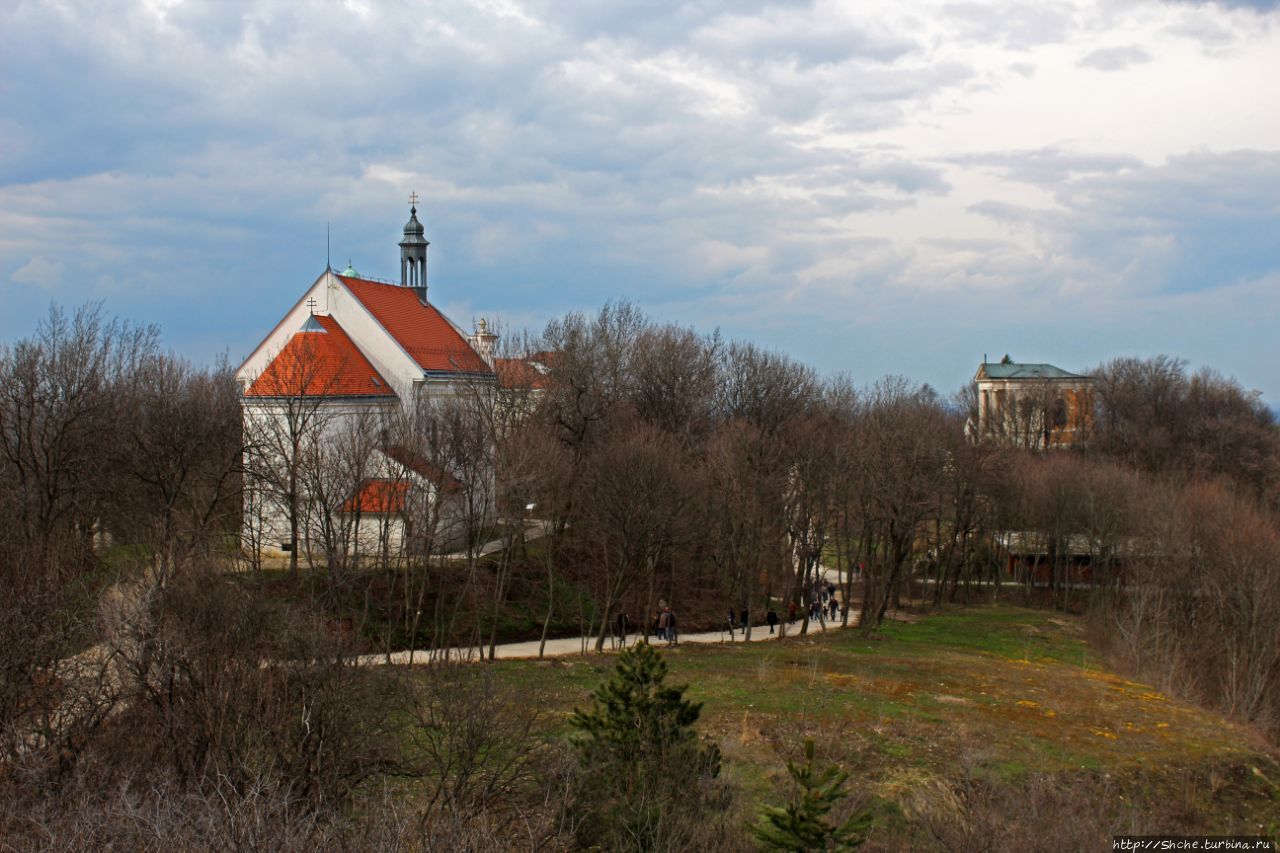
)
(311, 303)
(413, 199)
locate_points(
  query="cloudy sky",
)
(873, 187)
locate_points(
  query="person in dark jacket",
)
(772, 619)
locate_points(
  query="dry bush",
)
(480, 753)
(158, 813)
(1201, 611)
(222, 691)
(977, 812)
(52, 687)
(973, 814)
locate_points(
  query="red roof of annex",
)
(379, 497)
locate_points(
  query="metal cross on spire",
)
(311, 303)
(413, 199)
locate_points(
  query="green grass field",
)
(996, 694)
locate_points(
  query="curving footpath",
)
(565, 646)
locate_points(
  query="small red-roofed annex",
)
(329, 379)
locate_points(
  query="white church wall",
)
(267, 425)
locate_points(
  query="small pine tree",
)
(802, 825)
(634, 714)
(642, 768)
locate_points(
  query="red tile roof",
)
(323, 364)
(422, 330)
(520, 373)
(379, 497)
(429, 471)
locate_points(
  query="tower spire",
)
(413, 252)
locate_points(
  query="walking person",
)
(772, 619)
(835, 608)
(664, 619)
(671, 627)
(742, 622)
(791, 611)
(622, 630)
(729, 621)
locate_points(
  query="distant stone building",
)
(1037, 406)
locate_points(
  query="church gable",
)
(320, 360)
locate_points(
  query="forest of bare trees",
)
(161, 680)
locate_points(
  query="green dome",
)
(350, 271)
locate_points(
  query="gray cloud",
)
(733, 162)
(1048, 166)
(1114, 58)
(1199, 222)
(1016, 25)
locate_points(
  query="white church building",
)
(351, 353)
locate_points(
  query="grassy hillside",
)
(962, 728)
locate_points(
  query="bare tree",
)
(675, 376)
(903, 453)
(1155, 417)
(60, 407)
(58, 411)
(747, 473)
(1199, 613)
(633, 514)
(287, 408)
(591, 370)
(548, 504)
(180, 459)
(335, 470)
(810, 503)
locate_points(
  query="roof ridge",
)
(420, 329)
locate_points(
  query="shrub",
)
(645, 780)
(802, 824)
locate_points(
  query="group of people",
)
(662, 625)
(735, 622)
(823, 598)
(822, 602)
(662, 622)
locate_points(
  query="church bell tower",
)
(413, 253)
